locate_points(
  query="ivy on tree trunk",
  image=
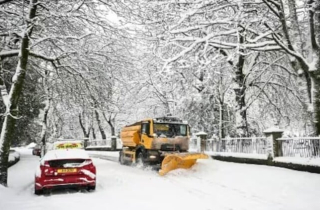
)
(8, 127)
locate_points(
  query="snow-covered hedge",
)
(14, 157)
(275, 162)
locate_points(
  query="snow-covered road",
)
(210, 184)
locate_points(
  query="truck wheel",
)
(121, 158)
(140, 160)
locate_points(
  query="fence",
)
(299, 146)
(255, 145)
(288, 147)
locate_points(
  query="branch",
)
(271, 8)
(5, 1)
(9, 53)
(292, 53)
(314, 44)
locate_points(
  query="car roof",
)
(65, 154)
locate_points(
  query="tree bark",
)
(110, 121)
(45, 113)
(8, 126)
(316, 74)
(93, 133)
(103, 134)
(241, 112)
(85, 133)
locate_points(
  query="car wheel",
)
(38, 192)
(92, 188)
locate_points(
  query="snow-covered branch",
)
(9, 53)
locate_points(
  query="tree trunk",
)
(8, 126)
(85, 133)
(45, 113)
(221, 121)
(44, 126)
(111, 123)
(316, 73)
(241, 112)
(317, 103)
(103, 134)
(93, 133)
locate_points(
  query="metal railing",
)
(254, 145)
(299, 147)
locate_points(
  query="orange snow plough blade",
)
(180, 160)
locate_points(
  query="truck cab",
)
(150, 138)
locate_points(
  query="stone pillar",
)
(85, 142)
(273, 146)
(201, 141)
(113, 143)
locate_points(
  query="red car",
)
(64, 169)
(37, 150)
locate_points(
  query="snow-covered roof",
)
(201, 133)
(273, 129)
(65, 154)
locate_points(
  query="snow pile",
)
(13, 156)
(23, 150)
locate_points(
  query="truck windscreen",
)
(170, 130)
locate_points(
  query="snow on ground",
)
(23, 150)
(210, 184)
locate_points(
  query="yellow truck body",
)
(163, 141)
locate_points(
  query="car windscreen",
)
(170, 130)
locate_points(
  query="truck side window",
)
(145, 128)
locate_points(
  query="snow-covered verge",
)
(104, 153)
(209, 185)
(294, 160)
(299, 160)
(240, 155)
(23, 150)
(14, 157)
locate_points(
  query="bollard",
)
(202, 141)
(274, 148)
(113, 143)
(85, 142)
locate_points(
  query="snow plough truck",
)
(162, 141)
